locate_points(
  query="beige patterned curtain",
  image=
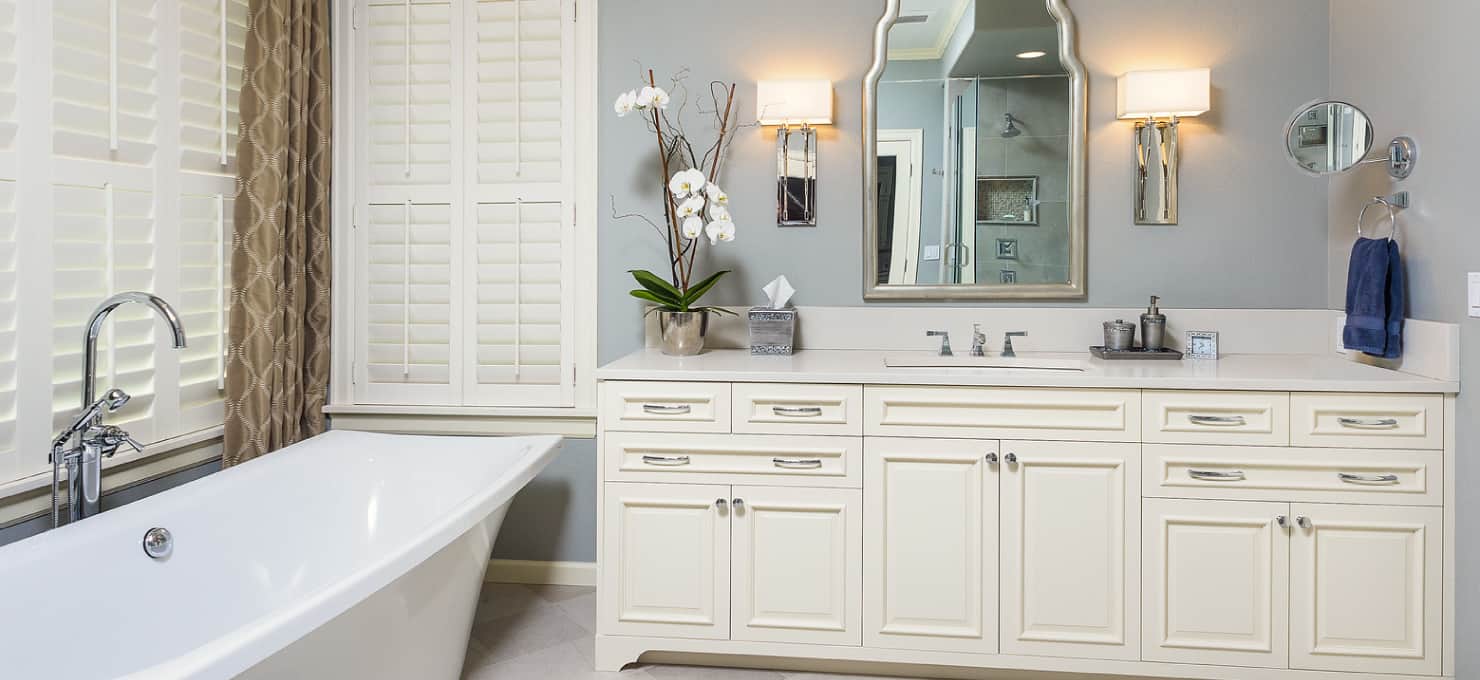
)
(277, 369)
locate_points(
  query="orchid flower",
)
(720, 230)
(691, 206)
(651, 96)
(718, 212)
(715, 194)
(625, 103)
(686, 183)
(692, 227)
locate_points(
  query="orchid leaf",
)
(669, 295)
(655, 299)
(698, 290)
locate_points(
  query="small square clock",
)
(1202, 345)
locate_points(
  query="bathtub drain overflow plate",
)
(158, 543)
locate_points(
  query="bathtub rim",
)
(242, 648)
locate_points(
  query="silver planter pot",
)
(682, 333)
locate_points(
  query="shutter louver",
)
(520, 90)
(103, 80)
(103, 243)
(410, 94)
(212, 42)
(205, 228)
(408, 333)
(8, 74)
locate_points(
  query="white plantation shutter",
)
(104, 106)
(464, 224)
(410, 113)
(204, 284)
(104, 80)
(103, 240)
(408, 315)
(212, 39)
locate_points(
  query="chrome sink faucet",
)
(1007, 351)
(83, 445)
(978, 341)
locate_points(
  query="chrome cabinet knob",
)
(720, 504)
(991, 459)
(1282, 520)
(739, 504)
(1303, 521)
(1011, 459)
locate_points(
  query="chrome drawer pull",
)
(1368, 422)
(1216, 420)
(1351, 478)
(667, 409)
(1216, 476)
(666, 461)
(798, 463)
(797, 411)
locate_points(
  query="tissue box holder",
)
(772, 331)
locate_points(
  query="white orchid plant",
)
(695, 208)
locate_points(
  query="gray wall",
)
(1251, 233)
(1431, 94)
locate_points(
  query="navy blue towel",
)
(1375, 298)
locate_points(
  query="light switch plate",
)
(1475, 294)
(931, 253)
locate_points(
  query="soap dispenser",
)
(1153, 326)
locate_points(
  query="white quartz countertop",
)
(1279, 372)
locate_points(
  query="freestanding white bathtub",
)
(350, 555)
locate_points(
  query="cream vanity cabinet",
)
(1166, 533)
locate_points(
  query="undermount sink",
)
(991, 362)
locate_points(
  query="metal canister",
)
(1120, 335)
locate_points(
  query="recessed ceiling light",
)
(1031, 54)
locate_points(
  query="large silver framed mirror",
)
(974, 152)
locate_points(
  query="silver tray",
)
(1139, 353)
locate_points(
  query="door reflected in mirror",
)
(1328, 137)
(978, 120)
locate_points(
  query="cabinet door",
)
(931, 571)
(1366, 589)
(666, 561)
(797, 565)
(1070, 535)
(1216, 582)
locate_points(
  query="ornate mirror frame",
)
(1078, 143)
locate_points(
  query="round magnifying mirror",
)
(1328, 137)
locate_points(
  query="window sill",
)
(463, 420)
(29, 496)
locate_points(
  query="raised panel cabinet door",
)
(1365, 589)
(930, 575)
(666, 561)
(1070, 552)
(797, 569)
(1216, 582)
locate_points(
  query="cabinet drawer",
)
(665, 406)
(777, 408)
(1003, 413)
(1294, 474)
(1367, 421)
(1188, 417)
(778, 460)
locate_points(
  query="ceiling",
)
(1002, 30)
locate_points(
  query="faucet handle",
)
(1007, 350)
(110, 437)
(945, 341)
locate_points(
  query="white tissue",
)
(778, 292)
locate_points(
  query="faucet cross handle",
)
(1007, 337)
(110, 437)
(945, 342)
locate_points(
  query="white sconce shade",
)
(794, 102)
(1162, 94)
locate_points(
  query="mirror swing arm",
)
(877, 288)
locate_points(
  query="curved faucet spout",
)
(95, 328)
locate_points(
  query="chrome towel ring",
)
(1393, 203)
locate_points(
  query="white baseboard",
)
(541, 573)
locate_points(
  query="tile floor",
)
(546, 633)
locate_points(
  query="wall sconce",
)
(1157, 99)
(785, 103)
